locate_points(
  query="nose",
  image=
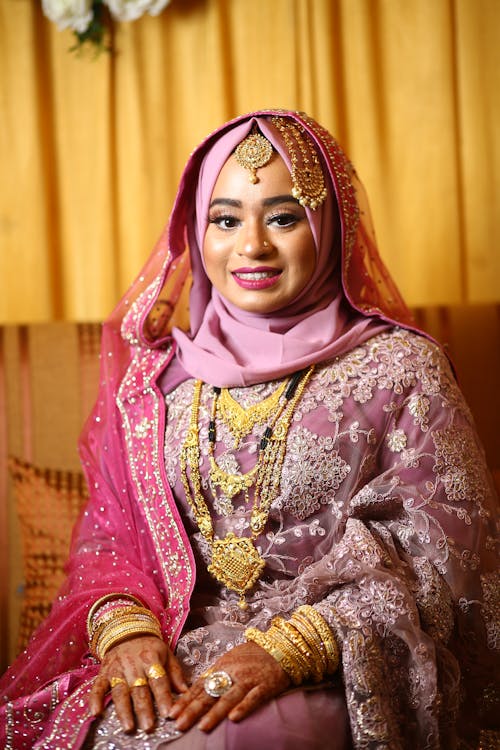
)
(253, 242)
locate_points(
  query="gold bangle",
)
(325, 634)
(108, 597)
(115, 631)
(313, 664)
(287, 664)
(118, 623)
(126, 616)
(103, 648)
(304, 654)
(281, 641)
(114, 614)
(310, 634)
(117, 628)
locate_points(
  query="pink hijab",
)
(350, 297)
(227, 346)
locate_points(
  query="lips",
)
(256, 278)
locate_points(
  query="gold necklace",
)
(233, 484)
(236, 562)
(241, 421)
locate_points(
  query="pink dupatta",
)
(130, 537)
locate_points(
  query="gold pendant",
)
(253, 152)
(231, 484)
(236, 563)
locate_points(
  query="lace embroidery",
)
(433, 599)
(314, 471)
(490, 585)
(359, 543)
(375, 720)
(366, 531)
(459, 465)
(396, 441)
(110, 735)
(418, 406)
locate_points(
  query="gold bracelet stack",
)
(325, 638)
(110, 627)
(304, 645)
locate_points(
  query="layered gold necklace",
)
(235, 561)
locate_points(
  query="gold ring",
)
(155, 672)
(140, 682)
(114, 681)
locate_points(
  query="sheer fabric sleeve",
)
(409, 583)
(418, 577)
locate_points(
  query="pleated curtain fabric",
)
(91, 148)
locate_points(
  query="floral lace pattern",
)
(382, 487)
(459, 465)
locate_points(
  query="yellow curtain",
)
(91, 149)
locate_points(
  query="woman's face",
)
(259, 250)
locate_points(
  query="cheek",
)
(307, 260)
(211, 255)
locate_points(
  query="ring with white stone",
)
(217, 683)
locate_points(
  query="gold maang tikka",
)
(254, 152)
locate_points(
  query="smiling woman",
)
(259, 251)
(288, 541)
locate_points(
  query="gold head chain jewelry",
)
(307, 175)
(235, 561)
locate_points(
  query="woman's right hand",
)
(130, 661)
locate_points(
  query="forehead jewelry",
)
(307, 175)
(253, 152)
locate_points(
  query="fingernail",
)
(203, 724)
(174, 711)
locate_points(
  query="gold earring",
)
(253, 152)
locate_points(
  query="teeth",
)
(257, 276)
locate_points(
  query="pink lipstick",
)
(256, 278)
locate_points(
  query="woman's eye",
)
(283, 219)
(224, 221)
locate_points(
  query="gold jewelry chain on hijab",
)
(236, 562)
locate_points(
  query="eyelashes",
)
(281, 219)
(224, 221)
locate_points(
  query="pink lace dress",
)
(382, 522)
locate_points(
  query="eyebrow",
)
(272, 201)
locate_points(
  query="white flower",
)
(396, 440)
(130, 10)
(73, 14)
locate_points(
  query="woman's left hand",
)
(257, 677)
